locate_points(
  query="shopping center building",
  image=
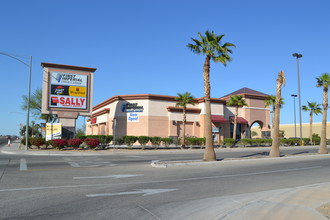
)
(157, 115)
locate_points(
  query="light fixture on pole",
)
(297, 55)
(29, 88)
(294, 113)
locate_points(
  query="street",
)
(126, 186)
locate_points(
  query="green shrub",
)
(82, 137)
(105, 139)
(155, 141)
(246, 141)
(229, 141)
(143, 140)
(167, 141)
(316, 140)
(119, 141)
(129, 140)
(24, 139)
(307, 141)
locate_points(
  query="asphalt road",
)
(127, 187)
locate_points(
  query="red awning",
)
(218, 118)
(240, 120)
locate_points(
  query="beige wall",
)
(157, 120)
(289, 129)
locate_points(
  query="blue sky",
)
(139, 47)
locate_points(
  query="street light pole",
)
(297, 55)
(294, 113)
(29, 92)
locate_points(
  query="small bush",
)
(167, 141)
(155, 141)
(59, 143)
(24, 139)
(229, 141)
(316, 140)
(129, 140)
(37, 141)
(245, 141)
(307, 141)
(75, 143)
(92, 142)
(143, 140)
(81, 137)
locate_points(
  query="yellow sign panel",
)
(53, 131)
(77, 91)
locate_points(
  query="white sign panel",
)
(68, 90)
(133, 117)
(68, 79)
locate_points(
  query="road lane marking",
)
(158, 181)
(145, 209)
(22, 166)
(145, 192)
(119, 176)
(87, 162)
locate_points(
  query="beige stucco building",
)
(157, 115)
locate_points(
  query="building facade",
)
(157, 115)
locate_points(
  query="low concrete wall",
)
(3, 140)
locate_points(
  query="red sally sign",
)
(68, 102)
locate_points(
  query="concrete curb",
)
(167, 164)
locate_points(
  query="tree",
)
(324, 81)
(275, 149)
(35, 106)
(236, 101)
(270, 101)
(210, 46)
(34, 131)
(183, 100)
(312, 108)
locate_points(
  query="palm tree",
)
(183, 100)
(210, 46)
(35, 106)
(236, 101)
(312, 108)
(270, 101)
(275, 150)
(324, 81)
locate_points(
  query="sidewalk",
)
(303, 203)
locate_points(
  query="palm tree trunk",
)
(273, 119)
(323, 145)
(275, 150)
(311, 127)
(209, 154)
(184, 129)
(235, 123)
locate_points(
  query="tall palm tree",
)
(270, 101)
(183, 100)
(275, 150)
(312, 108)
(210, 46)
(324, 81)
(35, 106)
(236, 101)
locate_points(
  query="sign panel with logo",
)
(68, 90)
(132, 107)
